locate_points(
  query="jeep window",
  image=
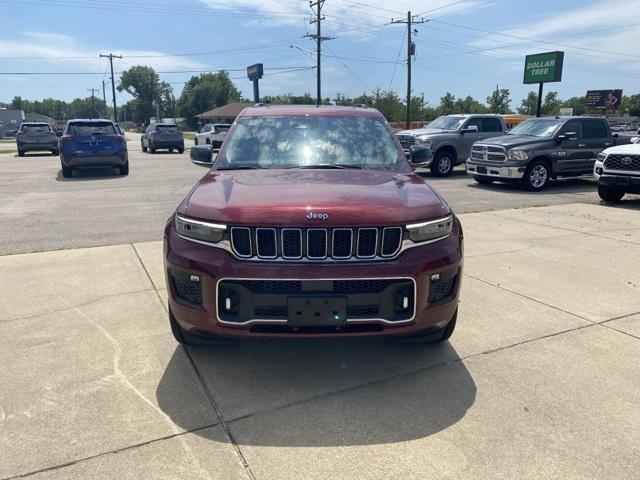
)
(594, 129)
(166, 129)
(491, 124)
(312, 142)
(85, 129)
(448, 122)
(545, 128)
(35, 128)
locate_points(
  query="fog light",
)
(227, 303)
(599, 171)
(435, 276)
(405, 302)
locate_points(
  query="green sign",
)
(543, 67)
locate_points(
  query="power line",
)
(411, 50)
(319, 39)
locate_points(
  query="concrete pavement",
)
(540, 379)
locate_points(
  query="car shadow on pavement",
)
(571, 185)
(89, 174)
(325, 392)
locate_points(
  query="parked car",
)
(541, 149)
(162, 136)
(450, 138)
(618, 172)
(212, 134)
(91, 144)
(34, 136)
(311, 222)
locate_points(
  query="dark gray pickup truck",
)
(541, 149)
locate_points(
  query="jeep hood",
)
(286, 197)
(511, 141)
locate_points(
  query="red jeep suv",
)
(311, 223)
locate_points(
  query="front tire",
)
(442, 164)
(536, 176)
(609, 194)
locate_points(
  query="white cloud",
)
(575, 28)
(59, 50)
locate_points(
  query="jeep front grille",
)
(316, 244)
(488, 153)
(622, 162)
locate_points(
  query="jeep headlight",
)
(518, 155)
(602, 157)
(432, 230)
(198, 230)
(424, 140)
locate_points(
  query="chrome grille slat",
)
(316, 244)
(615, 162)
(493, 153)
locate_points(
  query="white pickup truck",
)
(212, 134)
(618, 172)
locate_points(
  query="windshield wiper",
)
(329, 165)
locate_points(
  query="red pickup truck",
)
(312, 223)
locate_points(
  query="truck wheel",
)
(536, 176)
(67, 172)
(442, 164)
(483, 180)
(124, 169)
(609, 194)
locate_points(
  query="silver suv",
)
(450, 138)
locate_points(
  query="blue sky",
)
(466, 47)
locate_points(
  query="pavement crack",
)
(110, 452)
(72, 307)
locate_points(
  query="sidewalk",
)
(540, 379)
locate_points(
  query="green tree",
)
(551, 104)
(631, 104)
(499, 101)
(447, 104)
(579, 105)
(143, 83)
(205, 92)
(528, 104)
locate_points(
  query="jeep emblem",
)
(627, 161)
(317, 216)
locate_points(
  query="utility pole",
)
(93, 101)
(111, 56)
(319, 39)
(104, 98)
(411, 51)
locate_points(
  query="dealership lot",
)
(539, 380)
(102, 208)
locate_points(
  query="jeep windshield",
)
(545, 128)
(448, 122)
(309, 141)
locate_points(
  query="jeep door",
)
(597, 138)
(571, 154)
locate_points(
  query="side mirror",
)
(567, 136)
(470, 129)
(420, 156)
(202, 155)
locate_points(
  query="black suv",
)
(36, 136)
(540, 149)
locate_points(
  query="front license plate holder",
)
(482, 169)
(317, 311)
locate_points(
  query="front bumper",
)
(80, 160)
(507, 171)
(416, 267)
(624, 183)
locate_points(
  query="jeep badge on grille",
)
(317, 216)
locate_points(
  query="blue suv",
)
(92, 144)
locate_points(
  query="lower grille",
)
(443, 287)
(622, 162)
(244, 301)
